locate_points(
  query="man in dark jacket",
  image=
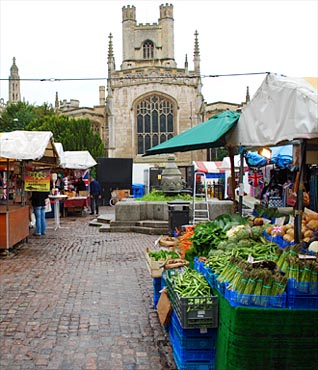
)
(38, 204)
(80, 186)
(95, 195)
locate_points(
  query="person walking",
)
(38, 204)
(95, 195)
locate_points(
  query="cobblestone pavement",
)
(80, 299)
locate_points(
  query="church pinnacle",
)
(111, 59)
(196, 54)
(14, 84)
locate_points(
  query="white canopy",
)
(208, 166)
(28, 145)
(78, 160)
(60, 151)
(283, 109)
(226, 163)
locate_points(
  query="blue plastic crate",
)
(156, 291)
(302, 302)
(138, 190)
(199, 266)
(251, 300)
(211, 278)
(295, 288)
(192, 338)
(156, 284)
(278, 239)
(156, 298)
(188, 355)
(221, 286)
(193, 365)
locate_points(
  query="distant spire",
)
(57, 101)
(14, 84)
(186, 62)
(247, 99)
(196, 54)
(111, 59)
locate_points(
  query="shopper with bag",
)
(38, 203)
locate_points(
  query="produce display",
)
(190, 283)
(238, 257)
(162, 254)
(295, 266)
(261, 278)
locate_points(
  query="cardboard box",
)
(164, 308)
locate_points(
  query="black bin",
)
(178, 215)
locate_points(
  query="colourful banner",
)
(37, 180)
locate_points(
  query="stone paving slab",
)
(80, 299)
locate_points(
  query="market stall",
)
(76, 165)
(263, 278)
(20, 151)
(268, 120)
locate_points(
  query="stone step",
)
(153, 223)
(104, 219)
(95, 223)
(135, 229)
(105, 228)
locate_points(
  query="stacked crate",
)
(302, 295)
(192, 348)
(193, 329)
(156, 291)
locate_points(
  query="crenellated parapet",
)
(129, 13)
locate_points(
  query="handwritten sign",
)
(37, 180)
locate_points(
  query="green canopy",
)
(209, 134)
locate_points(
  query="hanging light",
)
(265, 152)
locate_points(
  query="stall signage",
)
(37, 180)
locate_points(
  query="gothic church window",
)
(148, 49)
(154, 117)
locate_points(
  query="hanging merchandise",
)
(314, 189)
(255, 177)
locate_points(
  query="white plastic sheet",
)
(283, 109)
(28, 145)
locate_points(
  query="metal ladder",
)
(200, 208)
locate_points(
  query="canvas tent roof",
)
(36, 146)
(208, 166)
(208, 134)
(78, 160)
(283, 109)
(226, 163)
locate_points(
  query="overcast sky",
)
(69, 39)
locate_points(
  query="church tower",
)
(149, 99)
(14, 84)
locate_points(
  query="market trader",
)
(38, 204)
(80, 186)
(95, 195)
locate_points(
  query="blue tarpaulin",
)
(282, 157)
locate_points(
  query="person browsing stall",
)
(38, 204)
(95, 195)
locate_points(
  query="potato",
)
(290, 232)
(308, 233)
(269, 230)
(313, 224)
(289, 226)
(288, 238)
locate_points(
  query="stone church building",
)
(149, 98)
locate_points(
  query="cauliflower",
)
(234, 230)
